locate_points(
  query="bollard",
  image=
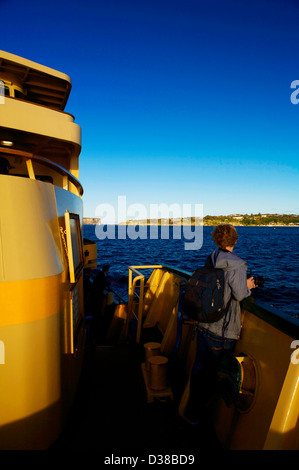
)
(151, 349)
(158, 372)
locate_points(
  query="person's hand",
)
(251, 283)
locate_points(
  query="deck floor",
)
(111, 413)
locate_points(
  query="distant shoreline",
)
(253, 220)
(188, 225)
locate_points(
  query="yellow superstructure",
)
(41, 254)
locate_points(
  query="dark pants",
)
(203, 381)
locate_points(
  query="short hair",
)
(225, 235)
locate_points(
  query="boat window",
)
(46, 179)
(19, 94)
(74, 242)
(5, 90)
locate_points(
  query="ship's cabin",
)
(23, 79)
(37, 137)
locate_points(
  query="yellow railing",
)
(30, 158)
(139, 277)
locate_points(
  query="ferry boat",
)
(42, 254)
(61, 386)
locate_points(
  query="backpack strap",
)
(208, 262)
(226, 320)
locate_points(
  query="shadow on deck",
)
(111, 413)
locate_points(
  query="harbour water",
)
(271, 252)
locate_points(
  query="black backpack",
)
(203, 297)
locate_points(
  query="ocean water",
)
(271, 252)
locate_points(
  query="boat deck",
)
(111, 413)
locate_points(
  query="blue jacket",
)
(235, 275)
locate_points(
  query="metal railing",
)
(133, 285)
(121, 300)
(67, 177)
(132, 292)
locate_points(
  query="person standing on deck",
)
(214, 338)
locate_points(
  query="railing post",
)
(30, 169)
(132, 286)
(140, 310)
(65, 182)
(130, 301)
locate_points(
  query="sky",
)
(181, 102)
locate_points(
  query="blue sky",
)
(180, 102)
